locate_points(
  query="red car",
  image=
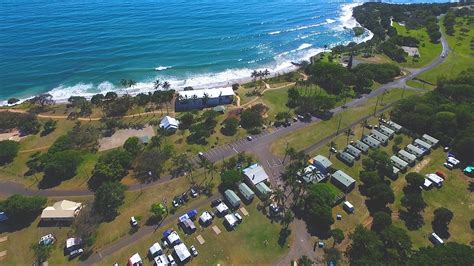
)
(441, 174)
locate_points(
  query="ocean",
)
(84, 47)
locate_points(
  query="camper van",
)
(348, 207)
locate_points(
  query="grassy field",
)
(19, 242)
(460, 57)
(306, 136)
(454, 195)
(428, 50)
(420, 85)
(254, 241)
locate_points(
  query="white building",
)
(169, 123)
(255, 174)
(64, 210)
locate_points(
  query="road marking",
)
(235, 150)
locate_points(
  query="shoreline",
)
(348, 22)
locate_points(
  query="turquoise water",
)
(83, 47)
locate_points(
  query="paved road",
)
(144, 231)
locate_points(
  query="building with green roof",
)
(246, 192)
(343, 181)
(232, 198)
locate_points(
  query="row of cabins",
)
(412, 152)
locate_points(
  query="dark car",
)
(324, 115)
(216, 202)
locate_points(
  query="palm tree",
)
(166, 85)
(205, 99)
(266, 72)
(157, 84)
(254, 75)
(280, 196)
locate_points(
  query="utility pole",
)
(376, 103)
(339, 125)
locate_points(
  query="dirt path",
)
(421, 165)
(265, 90)
(35, 149)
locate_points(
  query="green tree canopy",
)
(133, 145)
(108, 198)
(366, 247)
(22, 210)
(8, 151)
(381, 221)
(230, 178)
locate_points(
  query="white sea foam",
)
(304, 46)
(160, 68)
(282, 64)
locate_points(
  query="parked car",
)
(200, 154)
(216, 202)
(176, 202)
(249, 138)
(239, 218)
(194, 251)
(171, 260)
(185, 197)
(75, 253)
(295, 119)
(47, 240)
(194, 192)
(133, 221)
(449, 166)
(441, 174)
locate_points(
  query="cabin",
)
(322, 163)
(371, 142)
(394, 126)
(263, 190)
(169, 124)
(346, 158)
(422, 145)
(415, 151)
(353, 151)
(205, 218)
(361, 146)
(232, 198)
(407, 157)
(343, 181)
(399, 163)
(199, 99)
(386, 131)
(246, 192)
(222, 209)
(383, 139)
(255, 174)
(430, 140)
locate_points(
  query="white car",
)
(201, 154)
(238, 217)
(75, 253)
(249, 138)
(133, 221)
(449, 166)
(171, 260)
(194, 251)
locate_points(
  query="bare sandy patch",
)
(120, 136)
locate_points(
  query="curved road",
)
(260, 141)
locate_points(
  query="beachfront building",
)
(61, 211)
(255, 174)
(199, 99)
(343, 181)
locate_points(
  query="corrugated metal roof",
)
(343, 178)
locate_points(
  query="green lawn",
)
(460, 57)
(454, 195)
(255, 241)
(313, 133)
(420, 85)
(428, 50)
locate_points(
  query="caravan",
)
(371, 142)
(346, 158)
(379, 136)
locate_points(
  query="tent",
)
(205, 218)
(182, 252)
(155, 250)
